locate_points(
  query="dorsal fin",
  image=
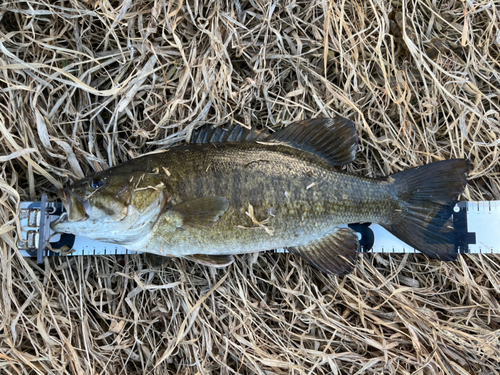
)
(334, 139)
(228, 133)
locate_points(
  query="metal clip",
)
(35, 218)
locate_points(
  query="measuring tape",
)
(476, 227)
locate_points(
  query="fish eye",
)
(96, 184)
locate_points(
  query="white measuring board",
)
(478, 228)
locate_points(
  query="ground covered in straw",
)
(86, 85)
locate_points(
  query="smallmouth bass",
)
(237, 191)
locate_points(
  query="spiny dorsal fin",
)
(217, 261)
(334, 139)
(335, 253)
(227, 133)
(201, 212)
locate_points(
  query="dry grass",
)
(85, 86)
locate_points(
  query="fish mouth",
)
(75, 210)
(60, 220)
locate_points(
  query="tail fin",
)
(427, 196)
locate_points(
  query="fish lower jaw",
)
(115, 233)
(60, 220)
(64, 225)
(116, 237)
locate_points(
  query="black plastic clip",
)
(367, 236)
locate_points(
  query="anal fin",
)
(335, 253)
(217, 261)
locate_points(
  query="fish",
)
(233, 190)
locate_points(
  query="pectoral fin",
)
(335, 254)
(201, 212)
(217, 261)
